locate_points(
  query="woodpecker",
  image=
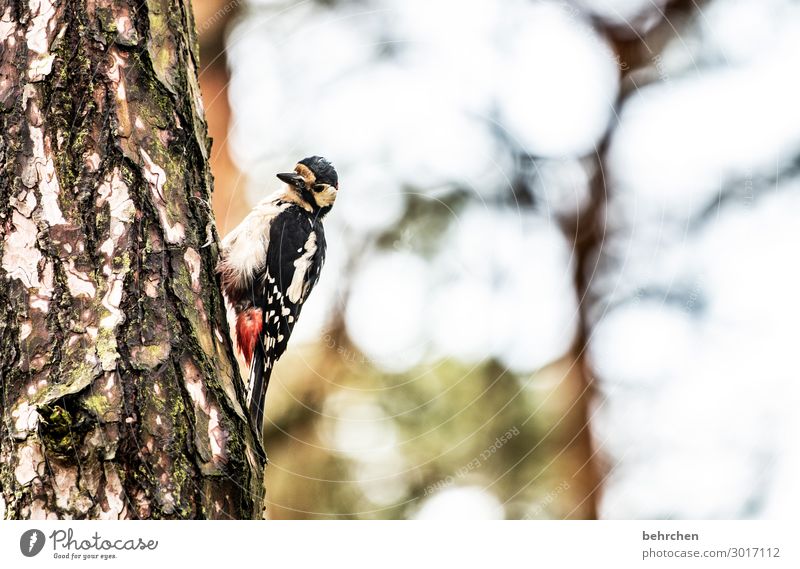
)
(270, 263)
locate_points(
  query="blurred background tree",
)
(559, 223)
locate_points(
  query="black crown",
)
(323, 170)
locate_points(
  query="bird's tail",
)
(260, 372)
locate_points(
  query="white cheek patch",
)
(326, 197)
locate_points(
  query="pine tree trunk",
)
(120, 393)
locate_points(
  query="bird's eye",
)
(319, 187)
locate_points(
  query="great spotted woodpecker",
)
(269, 264)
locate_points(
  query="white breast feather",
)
(244, 250)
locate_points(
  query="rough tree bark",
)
(119, 389)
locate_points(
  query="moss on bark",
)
(121, 396)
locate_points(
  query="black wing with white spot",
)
(294, 261)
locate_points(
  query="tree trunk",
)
(120, 394)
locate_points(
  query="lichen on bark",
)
(121, 397)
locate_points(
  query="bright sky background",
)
(698, 393)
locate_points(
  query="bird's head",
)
(315, 181)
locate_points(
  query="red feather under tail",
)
(248, 330)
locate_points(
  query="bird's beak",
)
(291, 178)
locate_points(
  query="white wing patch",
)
(299, 283)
